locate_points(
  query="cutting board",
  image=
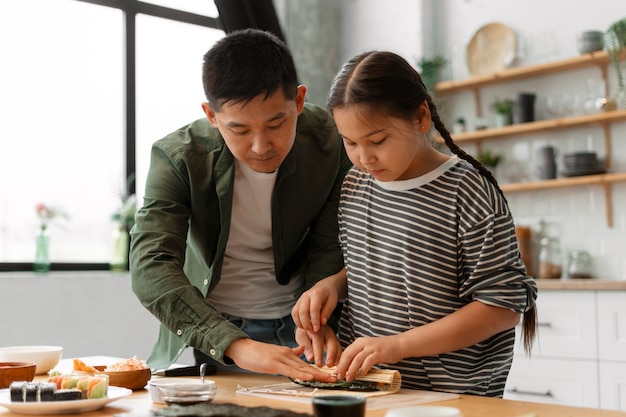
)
(376, 400)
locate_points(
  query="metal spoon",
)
(202, 372)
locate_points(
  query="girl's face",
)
(388, 148)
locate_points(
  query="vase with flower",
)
(42, 256)
(124, 219)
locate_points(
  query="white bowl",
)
(424, 411)
(46, 357)
(153, 385)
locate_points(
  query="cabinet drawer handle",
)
(537, 394)
(544, 324)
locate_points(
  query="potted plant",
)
(430, 70)
(614, 42)
(489, 159)
(503, 108)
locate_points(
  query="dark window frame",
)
(130, 8)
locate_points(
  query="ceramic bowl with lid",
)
(186, 393)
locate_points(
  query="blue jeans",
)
(276, 331)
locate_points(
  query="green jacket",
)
(180, 234)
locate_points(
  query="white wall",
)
(546, 31)
(87, 313)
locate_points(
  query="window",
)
(65, 125)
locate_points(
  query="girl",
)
(434, 284)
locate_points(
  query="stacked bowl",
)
(590, 41)
(581, 163)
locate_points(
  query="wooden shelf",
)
(599, 59)
(541, 126)
(604, 180)
(600, 179)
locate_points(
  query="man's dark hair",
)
(245, 64)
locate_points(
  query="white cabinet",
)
(613, 385)
(579, 356)
(612, 349)
(612, 325)
(550, 381)
(566, 324)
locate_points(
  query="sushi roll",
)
(94, 386)
(46, 391)
(72, 394)
(17, 391)
(69, 381)
(30, 392)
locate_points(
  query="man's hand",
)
(273, 359)
(316, 343)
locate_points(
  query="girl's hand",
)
(365, 352)
(316, 343)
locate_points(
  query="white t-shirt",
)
(248, 286)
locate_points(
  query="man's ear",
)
(210, 114)
(300, 97)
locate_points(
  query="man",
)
(240, 214)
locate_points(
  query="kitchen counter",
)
(590, 284)
(228, 383)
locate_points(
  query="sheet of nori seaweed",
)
(224, 410)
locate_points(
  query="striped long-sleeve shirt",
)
(420, 249)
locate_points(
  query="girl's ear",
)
(423, 118)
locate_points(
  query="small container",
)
(550, 258)
(338, 406)
(579, 264)
(187, 394)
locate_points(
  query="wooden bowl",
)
(16, 371)
(134, 380)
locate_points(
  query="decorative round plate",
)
(61, 407)
(491, 49)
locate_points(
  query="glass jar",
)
(550, 258)
(579, 264)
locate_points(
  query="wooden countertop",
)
(581, 284)
(470, 406)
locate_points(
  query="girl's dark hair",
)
(245, 64)
(387, 83)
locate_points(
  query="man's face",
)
(261, 132)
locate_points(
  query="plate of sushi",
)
(61, 394)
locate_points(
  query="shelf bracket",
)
(607, 145)
(608, 201)
(476, 92)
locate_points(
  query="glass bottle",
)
(550, 258)
(579, 264)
